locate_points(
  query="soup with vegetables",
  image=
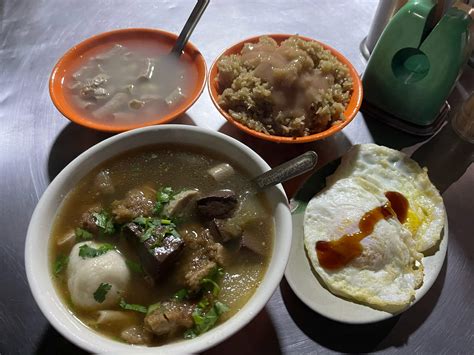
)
(160, 244)
(130, 83)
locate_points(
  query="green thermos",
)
(413, 68)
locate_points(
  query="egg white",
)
(392, 170)
(388, 272)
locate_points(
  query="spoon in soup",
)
(226, 216)
(286, 171)
(223, 203)
(169, 72)
(189, 27)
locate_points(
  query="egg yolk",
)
(412, 223)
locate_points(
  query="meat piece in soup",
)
(160, 244)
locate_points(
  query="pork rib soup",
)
(160, 244)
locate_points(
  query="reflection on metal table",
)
(37, 142)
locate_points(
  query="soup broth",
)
(234, 248)
(130, 82)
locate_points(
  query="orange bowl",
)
(77, 55)
(350, 112)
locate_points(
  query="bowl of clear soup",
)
(125, 79)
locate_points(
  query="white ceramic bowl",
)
(36, 249)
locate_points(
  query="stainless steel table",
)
(36, 142)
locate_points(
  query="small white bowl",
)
(36, 250)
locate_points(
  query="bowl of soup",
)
(124, 79)
(285, 88)
(155, 241)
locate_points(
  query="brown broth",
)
(156, 166)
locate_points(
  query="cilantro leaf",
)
(209, 283)
(82, 234)
(153, 307)
(203, 303)
(148, 234)
(206, 313)
(212, 286)
(220, 308)
(134, 266)
(60, 263)
(142, 221)
(163, 196)
(181, 295)
(133, 307)
(150, 224)
(101, 292)
(203, 321)
(105, 222)
(190, 334)
(86, 251)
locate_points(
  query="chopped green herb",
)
(209, 283)
(190, 334)
(181, 295)
(220, 307)
(174, 233)
(101, 292)
(214, 287)
(82, 234)
(206, 313)
(143, 221)
(60, 263)
(147, 222)
(133, 307)
(163, 196)
(153, 307)
(148, 234)
(203, 321)
(155, 245)
(150, 224)
(86, 251)
(105, 222)
(203, 303)
(134, 266)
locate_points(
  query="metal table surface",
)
(36, 142)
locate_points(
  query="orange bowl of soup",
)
(259, 71)
(125, 79)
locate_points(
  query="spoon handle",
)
(287, 170)
(189, 26)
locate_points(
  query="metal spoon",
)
(286, 171)
(189, 27)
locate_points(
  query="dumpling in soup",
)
(96, 282)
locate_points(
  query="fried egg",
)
(388, 271)
(392, 170)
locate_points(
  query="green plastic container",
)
(413, 69)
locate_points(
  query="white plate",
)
(308, 288)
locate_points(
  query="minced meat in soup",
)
(160, 244)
